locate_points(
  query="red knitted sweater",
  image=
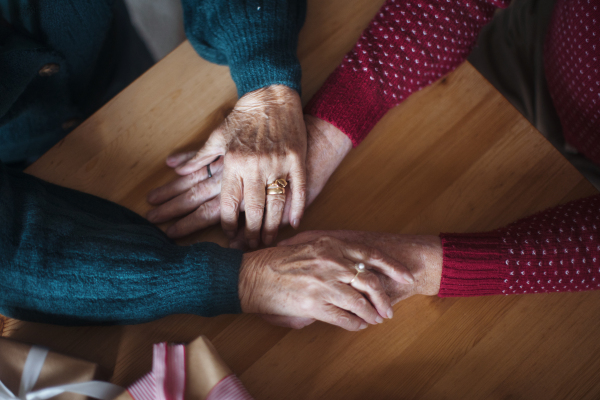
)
(410, 44)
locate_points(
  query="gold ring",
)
(276, 191)
(277, 187)
(360, 268)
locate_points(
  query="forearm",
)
(406, 47)
(71, 258)
(258, 39)
(557, 250)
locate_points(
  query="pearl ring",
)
(360, 268)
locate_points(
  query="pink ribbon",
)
(167, 379)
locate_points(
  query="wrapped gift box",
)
(48, 370)
(191, 372)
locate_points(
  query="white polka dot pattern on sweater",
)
(408, 45)
(557, 250)
(572, 64)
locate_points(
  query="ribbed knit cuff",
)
(258, 39)
(350, 101)
(213, 287)
(472, 264)
(255, 64)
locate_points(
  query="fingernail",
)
(268, 239)
(363, 326)
(390, 313)
(236, 245)
(379, 319)
(171, 161)
(253, 243)
(410, 279)
(295, 223)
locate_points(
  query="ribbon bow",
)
(31, 372)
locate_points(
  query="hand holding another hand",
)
(420, 254)
(316, 280)
(200, 196)
(261, 140)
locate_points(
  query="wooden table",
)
(454, 157)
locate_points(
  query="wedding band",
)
(277, 187)
(208, 167)
(275, 191)
(360, 268)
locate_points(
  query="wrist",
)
(433, 257)
(247, 282)
(336, 140)
(272, 95)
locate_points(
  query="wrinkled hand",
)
(311, 280)
(200, 196)
(420, 254)
(264, 138)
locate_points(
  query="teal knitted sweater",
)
(70, 258)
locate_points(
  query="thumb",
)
(303, 238)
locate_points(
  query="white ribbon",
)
(31, 372)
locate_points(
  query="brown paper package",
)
(58, 369)
(204, 369)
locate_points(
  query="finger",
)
(273, 215)
(336, 316)
(287, 322)
(378, 261)
(254, 198)
(213, 148)
(176, 160)
(238, 242)
(349, 299)
(298, 189)
(370, 286)
(207, 214)
(186, 202)
(231, 196)
(304, 237)
(180, 185)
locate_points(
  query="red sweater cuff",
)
(351, 101)
(472, 264)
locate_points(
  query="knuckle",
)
(359, 303)
(276, 204)
(197, 156)
(192, 194)
(196, 176)
(374, 284)
(376, 254)
(342, 320)
(229, 206)
(254, 212)
(206, 211)
(324, 241)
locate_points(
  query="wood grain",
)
(454, 157)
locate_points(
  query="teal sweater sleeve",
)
(258, 39)
(71, 258)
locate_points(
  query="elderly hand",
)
(420, 254)
(199, 195)
(314, 280)
(261, 140)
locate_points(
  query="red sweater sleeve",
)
(408, 45)
(557, 250)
